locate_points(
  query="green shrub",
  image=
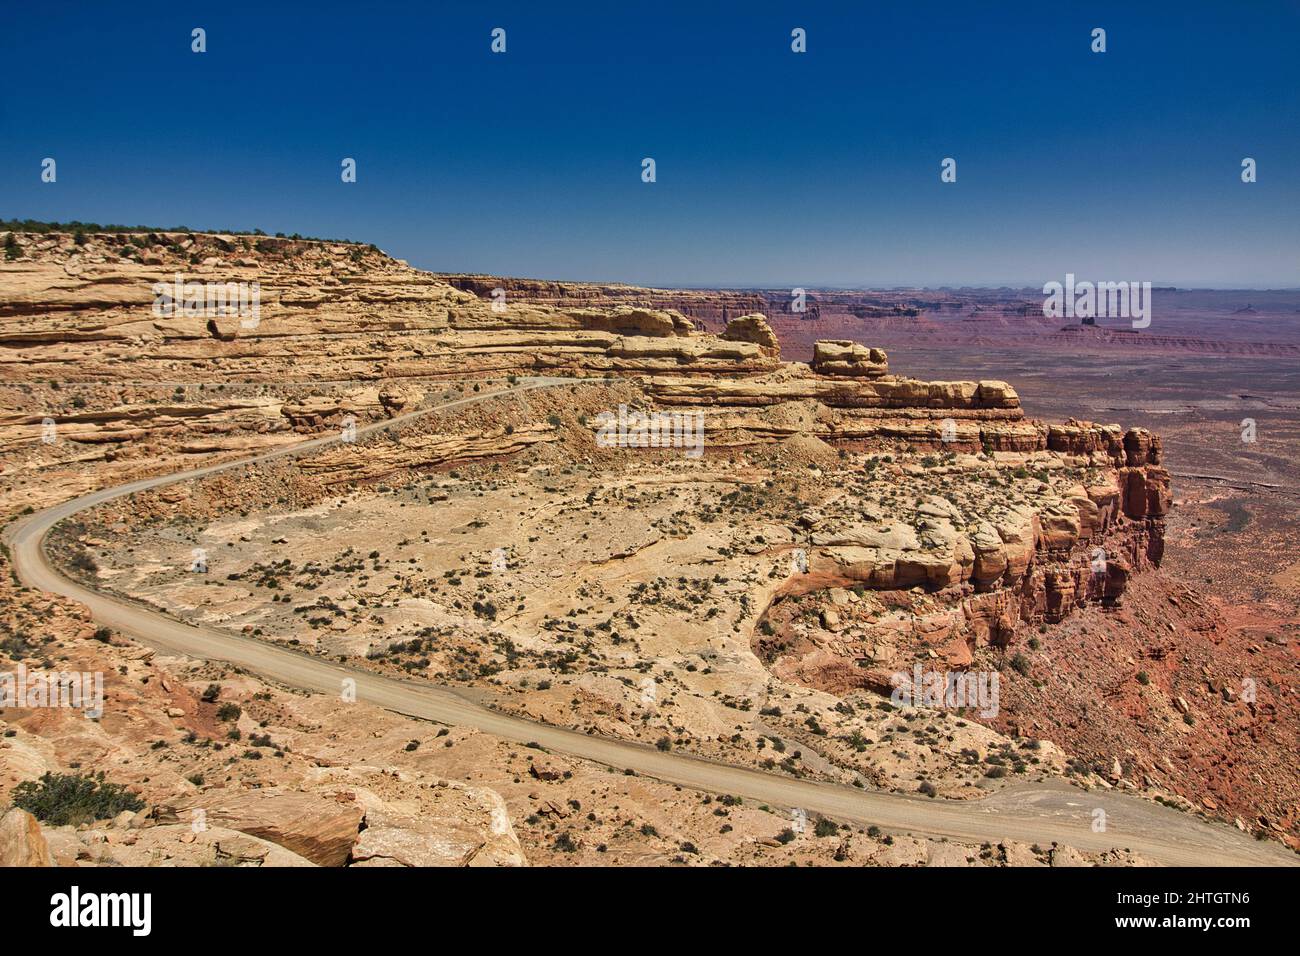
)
(65, 799)
(229, 711)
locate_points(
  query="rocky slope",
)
(843, 523)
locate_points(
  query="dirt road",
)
(1040, 814)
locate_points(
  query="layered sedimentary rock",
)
(422, 452)
(1003, 517)
(845, 357)
(753, 328)
(109, 362)
(714, 308)
(945, 521)
(112, 305)
(1062, 530)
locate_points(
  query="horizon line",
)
(856, 286)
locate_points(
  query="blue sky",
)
(774, 168)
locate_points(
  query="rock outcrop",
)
(949, 527)
(21, 841)
(753, 328)
(845, 357)
(320, 827)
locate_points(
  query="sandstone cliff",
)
(937, 521)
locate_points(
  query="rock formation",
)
(753, 328)
(845, 357)
(844, 522)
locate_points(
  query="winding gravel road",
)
(1042, 813)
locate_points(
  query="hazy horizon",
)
(993, 286)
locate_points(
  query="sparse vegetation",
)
(63, 799)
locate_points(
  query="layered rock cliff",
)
(1034, 498)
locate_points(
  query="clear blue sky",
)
(774, 168)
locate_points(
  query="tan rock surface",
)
(21, 841)
(622, 591)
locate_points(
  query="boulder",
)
(995, 394)
(753, 328)
(629, 321)
(846, 357)
(21, 841)
(319, 827)
(464, 826)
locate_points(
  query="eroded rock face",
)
(753, 328)
(846, 357)
(344, 335)
(325, 311)
(976, 525)
(1065, 531)
(411, 821)
(21, 841)
(320, 827)
(449, 824)
(174, 844)
(349, 300)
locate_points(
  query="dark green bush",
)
(63, 799)
(229, 711)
